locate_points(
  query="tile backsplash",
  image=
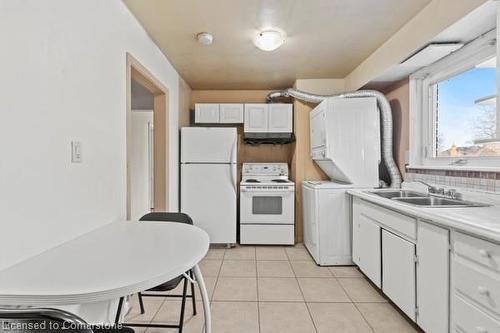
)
(471, 180)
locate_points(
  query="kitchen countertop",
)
(483, 222)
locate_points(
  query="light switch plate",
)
(76, 152)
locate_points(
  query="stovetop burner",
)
(252, 181)
(280, 181)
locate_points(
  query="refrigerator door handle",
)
(232, 162)
(233, 151)
(233, 177)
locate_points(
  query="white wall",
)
(321, 86)
(63, 78)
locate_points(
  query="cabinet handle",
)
(482, 291)
(484, 253)
(481, 330)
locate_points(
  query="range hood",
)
(268, 138)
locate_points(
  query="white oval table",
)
(113, 261)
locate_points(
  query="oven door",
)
(266, 206)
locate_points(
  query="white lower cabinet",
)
(469, 319)
(479, 285)
(408, 259)
(398, 272)
(411, 261)
(433, 267)
(475, 280)
(366, 247)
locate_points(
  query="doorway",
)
(147, 144)
(141, 162)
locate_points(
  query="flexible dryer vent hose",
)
(385, 112)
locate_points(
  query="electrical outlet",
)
(76, 152)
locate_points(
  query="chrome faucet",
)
(451, 193)
(431, 188)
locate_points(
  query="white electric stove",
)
(267, 204)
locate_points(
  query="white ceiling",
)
(326, 38)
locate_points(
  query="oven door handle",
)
(283, 193)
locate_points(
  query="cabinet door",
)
(432, 278)
(280, 118)
(398, 272)
(206, 113)
(256, 118)
(366, 248)
(231, 113)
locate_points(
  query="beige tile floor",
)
(279, 290)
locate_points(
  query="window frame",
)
(422, 112)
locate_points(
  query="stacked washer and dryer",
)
(345, 143)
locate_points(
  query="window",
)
(267, 205)
(465, 113)
(455, 99)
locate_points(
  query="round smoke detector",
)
(205, 38)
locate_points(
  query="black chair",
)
(38, 320)
(169, 285)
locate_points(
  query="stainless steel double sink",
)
(424, 200)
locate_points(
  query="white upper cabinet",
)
(280, 118)
(269, 118)
(231, 113)
(256, 118)
(206, 113)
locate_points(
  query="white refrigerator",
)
(208, 180)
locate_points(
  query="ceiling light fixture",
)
(269, 40)
(205, 38)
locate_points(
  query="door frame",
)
(139, 73)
